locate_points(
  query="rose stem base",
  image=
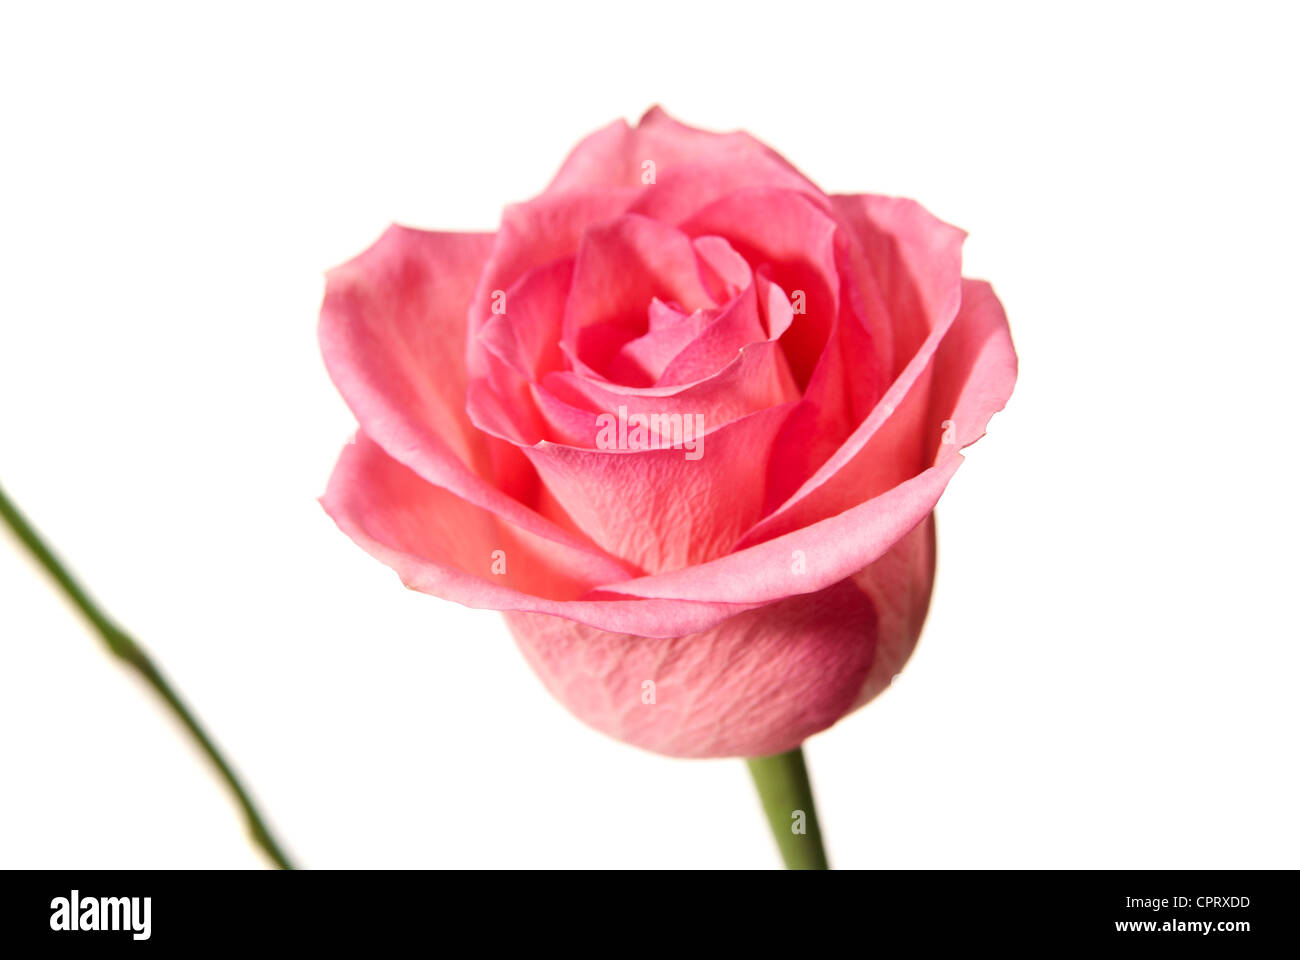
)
(787, 798)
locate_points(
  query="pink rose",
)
(683, 418)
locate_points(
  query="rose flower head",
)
(683, 418)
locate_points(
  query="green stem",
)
(787, 797)
(127, 650)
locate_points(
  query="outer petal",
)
(616, 156)
(899, 585)
(903, 434)
(905, 267)
(392, 332)
(910, 260)
(757, 684)
(442, 545)
(901, 268)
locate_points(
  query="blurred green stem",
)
(127, 650)
(786, 794)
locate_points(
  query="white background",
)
(1108, 676)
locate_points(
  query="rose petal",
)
(392, 333)
(907, 268)
(915, 264)
(757, 684)
(788, 239)
(442, 545)
(531, 235)
(974, 373)
(619, 156)
(664, 509)
(671, 329)
(622, 265)
(791, 241)
(899, 586)
(902, 434)
(757, 377)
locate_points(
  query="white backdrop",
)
(1108, 675)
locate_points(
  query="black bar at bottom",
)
(648, 913)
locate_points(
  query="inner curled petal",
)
(623, 266)
(641, 361)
